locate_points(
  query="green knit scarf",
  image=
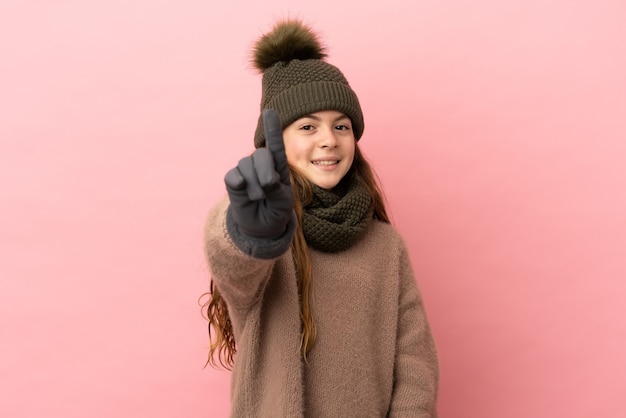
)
(336, 218)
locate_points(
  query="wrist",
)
(264, 247)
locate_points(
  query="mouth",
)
(325, 162)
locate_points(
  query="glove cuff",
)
(262, 248)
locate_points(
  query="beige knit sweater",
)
(374, 355)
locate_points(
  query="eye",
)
(342, 127)
(307, 127)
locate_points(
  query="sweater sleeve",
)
(238, 270)
(416, 370)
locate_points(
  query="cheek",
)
(288, 143)
(292, 153)
(352, 152)
(290, 158)
(297, 150)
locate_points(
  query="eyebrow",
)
(337, 119)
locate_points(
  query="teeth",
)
(325, 162)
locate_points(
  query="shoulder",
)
(385, 232)
(382, 239)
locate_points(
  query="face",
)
(321, 146)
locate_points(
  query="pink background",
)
(498, 129)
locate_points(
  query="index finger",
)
(274, 139)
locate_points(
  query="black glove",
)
(261, 197)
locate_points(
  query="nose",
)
(328, 140)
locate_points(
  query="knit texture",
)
(335, 219)
(374, 355)
(296, 86)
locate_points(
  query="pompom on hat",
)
(296, 79)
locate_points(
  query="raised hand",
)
(261, 197)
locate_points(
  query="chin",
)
(326, 184)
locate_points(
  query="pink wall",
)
(497, 127)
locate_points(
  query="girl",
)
(311, 287)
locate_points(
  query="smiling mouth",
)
(332, 162)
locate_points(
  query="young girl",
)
(311, 287)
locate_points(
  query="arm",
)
(416, 371)
(257, 223)
(239, 276)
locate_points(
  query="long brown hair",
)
(223, 348)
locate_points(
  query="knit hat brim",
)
(307, 98)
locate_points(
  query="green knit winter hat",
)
(296, 79)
